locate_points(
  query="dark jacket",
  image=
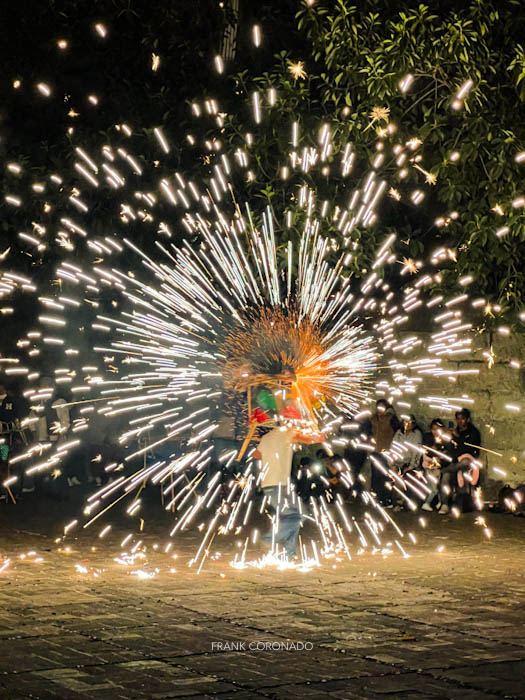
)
(458, 444)
(13, 408)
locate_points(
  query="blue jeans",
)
(289, 519)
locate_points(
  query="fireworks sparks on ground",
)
(155, 345)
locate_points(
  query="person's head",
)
(305, 461)
(382, 406)
(323, 457)
(288, 374)
(437, 427)
(337, 461)
(462, 418)
(409, 424)
(3, 391)
(46, 383)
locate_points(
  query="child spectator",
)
(434, 460)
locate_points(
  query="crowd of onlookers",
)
(395, 459)
(447, 459)
(402, 465)
(45, 419)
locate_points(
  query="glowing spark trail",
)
(221, 318)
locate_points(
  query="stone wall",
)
(492, 389)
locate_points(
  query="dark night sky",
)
(185, 34)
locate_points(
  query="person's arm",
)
(474, 441)
(477, 441)
(366, 427)
(398, 436)
(62, 412)
(309, 438)
(395, 423)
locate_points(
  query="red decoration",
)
(290, 412)
(259, 416)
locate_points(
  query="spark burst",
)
(196, 327)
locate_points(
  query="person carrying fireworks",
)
(275, 451)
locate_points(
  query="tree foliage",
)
(354, 57)
(358, 53)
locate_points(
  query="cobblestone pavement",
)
(447, 624)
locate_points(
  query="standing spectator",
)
(224, 452)
(103, 459)
(303, 475)
(13, 409)
(464, 450)
(276, 455)
(356, 455)
(383, 424)
(432, 462)
(52, 421)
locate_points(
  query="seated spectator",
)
(406, 439)
(464, 468)
(432, 462)
(324, 458)
(338, 475)
(406, 453)
(312, 476)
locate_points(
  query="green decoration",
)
(266, 400)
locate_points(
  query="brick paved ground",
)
(437, 625)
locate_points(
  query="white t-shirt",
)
(410, 456)
(276, 449)
(40, 426)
